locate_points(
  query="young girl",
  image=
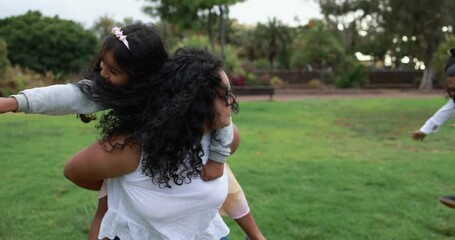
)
(128, 60)
(441, 116)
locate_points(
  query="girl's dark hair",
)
(145, 56)
(172, 121)
(450, 64)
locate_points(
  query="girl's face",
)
(223, 104)
(111, 71)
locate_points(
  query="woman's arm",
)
(100, 161)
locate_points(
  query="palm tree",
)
(277, 36)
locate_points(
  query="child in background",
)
(127, 60)
(441, 116)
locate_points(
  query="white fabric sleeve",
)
(220, 147)
(59, 99)
(439, 118)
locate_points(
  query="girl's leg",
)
(100, 211)
(236, 206)
(249, 226)
(96, 223)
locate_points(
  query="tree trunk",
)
(272, 51)
(210, 30)
(427, 83)
(428, 74)
(164, 25)
(222, 31)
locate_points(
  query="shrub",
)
(17, 78)
(314, 83)
(237, 80)
(351, 74)
(276, 82)
(251, 79)
(262, 64)
(232, 63)
(47, 43)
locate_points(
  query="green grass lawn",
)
(311, 169)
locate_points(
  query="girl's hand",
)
(418, 135)
(8, 105)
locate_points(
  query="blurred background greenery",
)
(350, 40)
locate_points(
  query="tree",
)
(232, 64)
(423, 22)
(395, 28)
(103, 26)
(277, 37)
(359, 25)
(244, 38)
(47, 44)
(193, 15)
(317, 48)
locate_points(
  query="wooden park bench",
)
(254, 90)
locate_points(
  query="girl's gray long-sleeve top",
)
(63, 99)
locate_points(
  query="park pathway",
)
(296, 94)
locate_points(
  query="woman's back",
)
(139, 209)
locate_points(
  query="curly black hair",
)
(146, 55)
(450, 64)
(171, 123)
(184, 112)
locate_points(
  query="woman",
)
(160, 194)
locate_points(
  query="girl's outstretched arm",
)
(59, 99)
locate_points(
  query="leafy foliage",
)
(103, 26)
(395, 29)
(351, 74)
(4, 62)
(232, 63)
(47, 44)
(317, 48)
(441, 57)
(194, 15)
(277, 38)
(271, 42)
(357, 23)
